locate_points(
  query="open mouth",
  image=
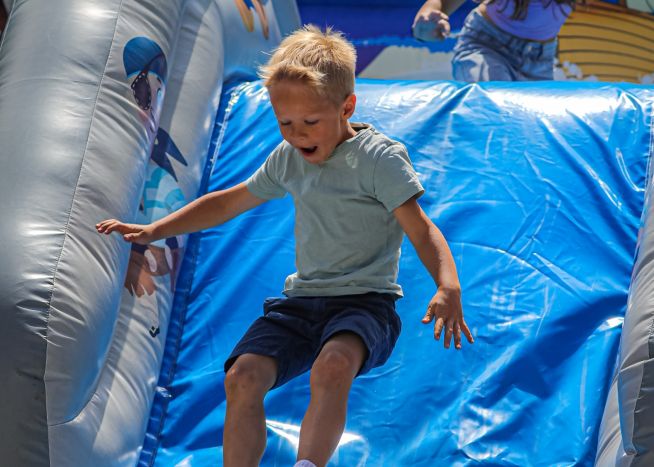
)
(308, 151)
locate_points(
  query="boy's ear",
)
(349, 105)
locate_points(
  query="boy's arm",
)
(434, 253)
(207, 211)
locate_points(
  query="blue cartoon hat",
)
(143, 54)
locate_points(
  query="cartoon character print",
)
(161, 196)
(245, 8)
(146, 69)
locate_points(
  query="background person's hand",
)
(134, 233)
(138, 280)
(445, 306)
(431, 25)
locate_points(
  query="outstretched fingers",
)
(429, 315)
(449, 333)
(454, 329)
(108, 226)
(457, 336)
(438, 328)
(131, 232)
(452, 325)
(466, 331)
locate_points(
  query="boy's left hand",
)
(445, 306)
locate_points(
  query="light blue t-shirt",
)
(347, 239)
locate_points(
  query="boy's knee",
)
(247, 378)
(333, 369)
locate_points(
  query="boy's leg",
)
(332, 374)
(246, 384)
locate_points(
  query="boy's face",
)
(311, 123)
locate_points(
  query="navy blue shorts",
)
(293, 330)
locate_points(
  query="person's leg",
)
(481, 65)
(332, 373)
(246, 384)
(482, 52)
(539, 64)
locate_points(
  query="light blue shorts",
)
(484, 52)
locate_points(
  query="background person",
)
(501, 40)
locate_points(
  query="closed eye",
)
(306, 122)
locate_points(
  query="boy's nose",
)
(299, 133)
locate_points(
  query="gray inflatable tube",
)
(107, 109)
(627, 432)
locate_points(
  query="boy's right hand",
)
(431, 24)
(134, 233)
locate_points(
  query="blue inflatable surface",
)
(538, 189)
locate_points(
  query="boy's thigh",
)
(372, 318)
(285, 333)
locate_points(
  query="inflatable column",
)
(627, 433)
(78, 117)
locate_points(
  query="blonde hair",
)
(324, 60)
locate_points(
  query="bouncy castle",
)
(112, 354)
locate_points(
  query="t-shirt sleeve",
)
(265, 181)
(394, 180)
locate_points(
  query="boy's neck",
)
(349, 132)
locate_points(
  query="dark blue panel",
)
(372, 26)
(538, 188)
(363, 21)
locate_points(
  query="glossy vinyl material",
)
(538, 188)
(73, 152)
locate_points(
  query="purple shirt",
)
(543, 20)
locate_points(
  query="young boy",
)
(355, 193)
